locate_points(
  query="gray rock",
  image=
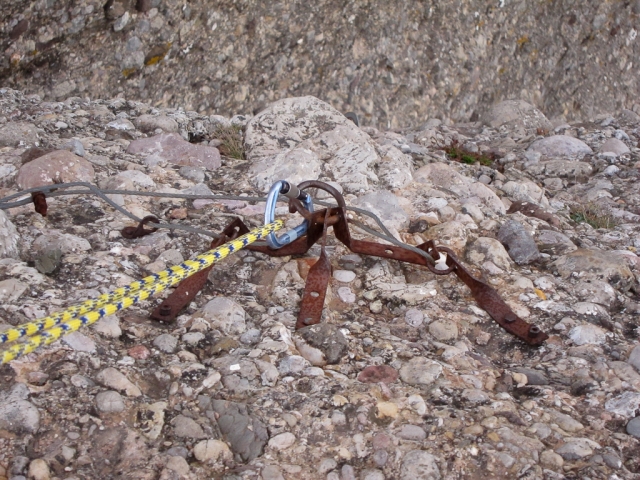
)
(412, 432)
(419, 465)
(108, 326)
(385, 205)
(11, 290)
(534, 377)
(166, 343)
(150, 123)
(563, 169)
(75, 146)
(576, 448)
(633, 427)
(519, 243)
(47, 260)
(172, 148)
(615, 146)
(560, 146)
(18, 134)
(109, 402)
(420, 371)
(452, 234)
(185, 427)
(225, 315)
(251, 336)
(554, 243)
(441, 175)
(634, 358)
(516, 114)
(596, 264)
(195, 174)
(292, 365)
(565, 422)
(486, 249)
(9, 237)
(475, 395)
(588, 334)
(17, 414)
(59, 166)
(444, 330)
(112, 378)
(328, 339)
(245, 434)
(80, 342)
(624, 405)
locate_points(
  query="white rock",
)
(212, 451)
(561, 146)
(344, 276)
(112, 378)
(587, 334)
(8, 237)
(282, 441)
(226, 315)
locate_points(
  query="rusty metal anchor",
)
(320, 273)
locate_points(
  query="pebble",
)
(185, 427)
(17, 414)
(344, 276)
(80, 342)
(412, 432)
(166, 343)
(108, 326)
(519, 243)
(39, 470)
(112, 378)
(211, 451)
(588, 335)
(226, 315)
(110, 402)
(420, 371)
(282, 441)
(419, 465)
(414, 317)
(633, 427)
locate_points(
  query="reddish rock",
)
(139, 352)
(377, 374)
(172, 148)
(59, 166)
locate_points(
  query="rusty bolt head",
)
(534, 330)
(510, 317)
(165, 310)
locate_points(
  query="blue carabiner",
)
(285, 188)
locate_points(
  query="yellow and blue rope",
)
(51, 328)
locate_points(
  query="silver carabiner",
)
(283, 187)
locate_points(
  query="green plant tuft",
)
(594, 215)
(232, 142)
(458, 153)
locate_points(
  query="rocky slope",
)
(394, 63)
(414, 380)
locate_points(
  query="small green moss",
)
(456, 152)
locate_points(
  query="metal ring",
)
(284, 187)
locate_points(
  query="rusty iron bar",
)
(140, 231)
(40, 203)
(320, 273)
(187, 290)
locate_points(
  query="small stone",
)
(245, 434)
(346, 295)
(108, 326)
(588, 334)
(412, 432)
(420, 371)
(112, 378)
(139, 352)
(565, 422)
(414, 317)
(272, 472)
(178, 465)
(195, 174)
(576, 448)
(225, 315)
(633, 427)
(444, 330)
(634, 358)
(292, 364)
(47, 260)
(17, 414)
(551, 459)
(475, 395)
(185, 427)
(80, 342)
(519, 243)
(11, 290)
(251, 336)
(378, 373)
(39, 470)
(328, 339)
(624, 405)
(387, 410)
(212, 451)
(110, 402)
(344, 276)
(326, 465)
(419, 465)
(9, 237)
(150, 123)
(282, 441)
(166, 343)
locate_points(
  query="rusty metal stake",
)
(40, 203)
(140, 231)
